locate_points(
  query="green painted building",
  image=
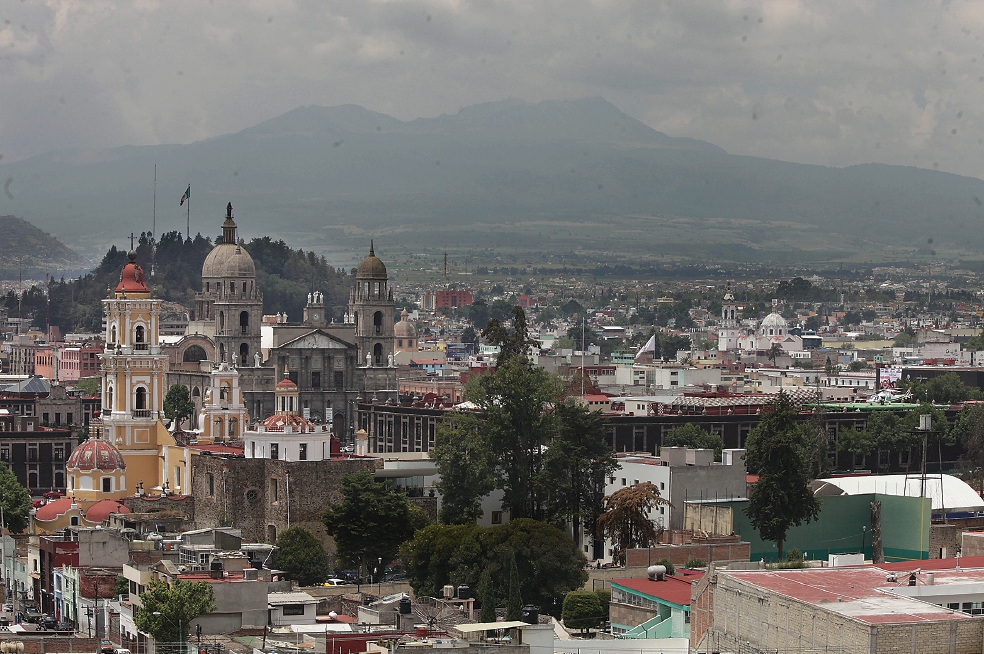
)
(844, 526)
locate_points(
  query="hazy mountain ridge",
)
(26, 247)
(493, 164)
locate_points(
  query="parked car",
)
(336, 582)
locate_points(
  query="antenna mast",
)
(153, 229)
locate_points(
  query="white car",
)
(336, 582)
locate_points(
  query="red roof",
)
(102, 510)
(132, 277)
(676, 588)
(286, 383)
(52, 510)
(220, 449)
(934, 564)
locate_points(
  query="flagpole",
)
(188, 233)
(153, 229)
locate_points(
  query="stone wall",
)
(182, 505)
(680, 554)
(257, 495)
(944, 539)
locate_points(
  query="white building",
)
(286, 435)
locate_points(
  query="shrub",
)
(582, 610)
(669, 566)
(694, 562)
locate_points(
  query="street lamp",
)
(180, 630)
(379, 577)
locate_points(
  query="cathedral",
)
(332, 364)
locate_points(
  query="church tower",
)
(133, 387)
(728, 329)
(230, 301)
(371, 308)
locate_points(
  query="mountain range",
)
(575, 177)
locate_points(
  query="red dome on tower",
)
(132, 278)
(95, 454)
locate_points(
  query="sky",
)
(832, 82)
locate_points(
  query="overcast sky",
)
(830, 82)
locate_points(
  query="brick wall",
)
(680, 554)
(943, 536)
(252, 494)
(182, 505)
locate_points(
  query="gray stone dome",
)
(228, 260)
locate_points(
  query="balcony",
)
(141, 413)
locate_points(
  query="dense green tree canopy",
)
(548, 561)
(177, 403)
(944, 389)
(582, 610)
(692, 436)
(371, 522)
(465, 460)
(302, 557)
(14, 499)
(167, 610)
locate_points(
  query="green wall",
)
(838, 530)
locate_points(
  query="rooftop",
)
(860, 593)
(676, 588)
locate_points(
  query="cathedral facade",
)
(333, 364)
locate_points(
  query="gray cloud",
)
(819, 82)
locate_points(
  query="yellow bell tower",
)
(133, 386)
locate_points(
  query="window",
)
(107, 484)
(662, 485)
(252, 495)
(274, 491)
(69, 418)
(293, 609)
(316, 379)
(302, 452)
(339, 379)
(497, 517)
(623, 481)
(211, 484)
(5, 454)
(274, 450)
(45, 417)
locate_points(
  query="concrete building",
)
(652, 607)
(930, 609)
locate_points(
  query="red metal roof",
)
(934, 564)
(676, 588)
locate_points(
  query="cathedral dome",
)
(95, 454)
(371, 267)
(228, 260)
(132, 277)
(102, 510)
(404, 328)
(775, 321)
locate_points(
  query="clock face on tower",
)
(315, 316)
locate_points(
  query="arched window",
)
(109, 399)
(355, 319)
(233, 427)
(141, 398)
(377, 322)
(138, 334)
(377, 353)
(221, 352)
(232, 288)
(243, 353)
(221, 320)
(244, 322)
(112, 336)
(194, 354)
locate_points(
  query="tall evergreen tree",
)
(514, 605)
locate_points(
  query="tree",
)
(14, 499)
(774, 352)
(549, 562)
(91, 386)
(904, 339)
(692, 436)
(370, 523)
(465, 462)
(777, 449)
(582, 610)
(514, 401)
(121, 586)
(626, 522)
(858, 365)
(854, 442)
(514, 603)
(167, 610)
(512, 343)
(177, 403)
(469, 335)
(577, 462)
(487, 596)
(944, 389)
(302, 557)
(969, 432)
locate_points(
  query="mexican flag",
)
(185, 196)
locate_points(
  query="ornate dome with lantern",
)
(371, 267)
(228, 259)
(95, 454)
(773, 325)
